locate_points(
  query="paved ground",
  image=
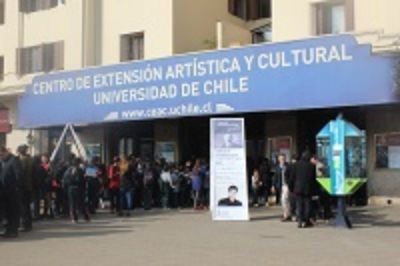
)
(190, 238)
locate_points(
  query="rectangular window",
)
(250, 9)
(132, 47)
(334, 17)
(40, 58)
(2, 11)
(29, 6)
(237, 8)
(387, 151)
(1, 68)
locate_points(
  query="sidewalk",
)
(191, 238)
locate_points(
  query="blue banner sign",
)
(314, 73)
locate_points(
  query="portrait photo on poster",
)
(228, 134)
(231, 199)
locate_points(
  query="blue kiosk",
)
(341, 147)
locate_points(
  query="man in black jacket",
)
(26, 187)
(304, 176)
(10, 178)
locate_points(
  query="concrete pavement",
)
(191, 238)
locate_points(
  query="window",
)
(2, 11)
(132, 47)
(237, 8)
(29, 6)
(40, 58)
(262, 34)
(257, 9)
(334, 17)
(250, 9)
(264, 8)
(387, 148)
(1, 68)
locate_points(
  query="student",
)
(10, 177)
(304, 174)
(26, 187)
(281, 185)
(126, 187)
(196, 185)
(291, 182)
(265, 173)
(91, 174)
(75, 183)
(175, 188)
(165, 186)
(114, 180)
(256, 185)
(148, 183)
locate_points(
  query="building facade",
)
(372, 22)
(46, 36)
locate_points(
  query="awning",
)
(313, 73)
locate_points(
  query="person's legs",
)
(300, 210)
(195, 199)
(122, 201)
(278, 196)
(72, 202)
(164, 195)
(292, 198)
(36, 203)
(285, 202)
(129, 201)
(81, 206)
(307, 210)
(26, 212)
(12, 211)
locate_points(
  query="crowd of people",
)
(294, 186)
(35, 188)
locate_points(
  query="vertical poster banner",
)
(229, 194)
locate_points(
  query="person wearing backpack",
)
(75, 182)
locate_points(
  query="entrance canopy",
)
(314, 73)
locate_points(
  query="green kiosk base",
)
(351, 186)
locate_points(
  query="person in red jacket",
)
(114, 178)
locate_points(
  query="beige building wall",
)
(294, 19)
(153, 18)
(195, 25)
(62, 23)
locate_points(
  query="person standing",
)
(10, 179)
(114, 176)
(304, 174)
(265, 173)
(256, 185)
(148, 182)
(47, 180)
(166, 186)
(291, 182)
(92, 177)
(196, 185)
(126, 187)
(75, 184)
(281, 185)
(26, 187)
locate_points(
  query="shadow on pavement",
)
(373, 217)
